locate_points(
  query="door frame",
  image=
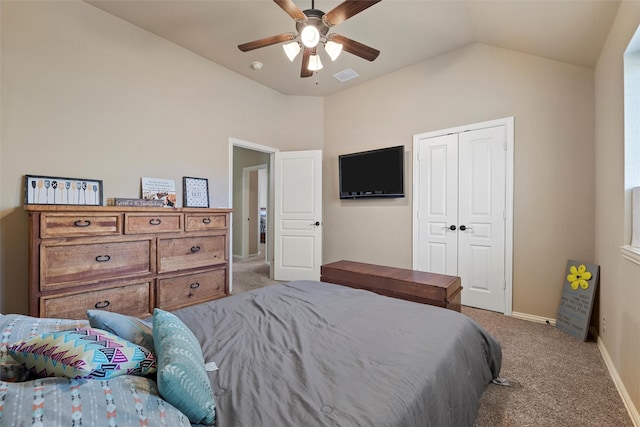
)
(236, 142)
(508, 123)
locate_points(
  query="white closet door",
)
(461, 218)
(481, 217)
(438, 183)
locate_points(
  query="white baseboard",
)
(626, 398)
(532, 318)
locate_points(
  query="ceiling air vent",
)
(345, 75)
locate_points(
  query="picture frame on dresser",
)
(51, 190)
(195, 192)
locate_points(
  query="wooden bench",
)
(419, 286)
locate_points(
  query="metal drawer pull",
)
(195, 249)
(206, 220)
(155, 221)
(194, 285)
(102, 304)
(82, 223)
(103, 258)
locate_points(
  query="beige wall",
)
(620, 278)
(552, 103)
(85, 94)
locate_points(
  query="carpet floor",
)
(555, 380)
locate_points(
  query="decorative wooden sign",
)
(576, 301)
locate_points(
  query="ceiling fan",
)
(312, 26)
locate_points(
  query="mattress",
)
(308, 353)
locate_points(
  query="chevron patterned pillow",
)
(82, 353)
(182, 377)
(17, 327)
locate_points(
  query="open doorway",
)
(252, 201)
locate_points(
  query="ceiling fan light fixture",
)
(310, 36)
(333, 49)
(291, 50)
(314, 62)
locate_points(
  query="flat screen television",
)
(369, 174)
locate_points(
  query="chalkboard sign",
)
(576, 302)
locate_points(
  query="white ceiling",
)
(405, 31)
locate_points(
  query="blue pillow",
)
(128, 327)
(182, 377)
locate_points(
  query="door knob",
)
(464, 227)
(317, 223)
(452, 228)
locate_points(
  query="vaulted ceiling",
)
(405, 31)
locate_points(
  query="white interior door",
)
(460, 198)
(481, 217)
(438, 212)
(298, 215)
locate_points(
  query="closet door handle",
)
(452, 227)
(464, 227)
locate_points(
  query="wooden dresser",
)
(125, 259)
(419, 286)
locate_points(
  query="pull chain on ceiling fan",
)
(312, 28)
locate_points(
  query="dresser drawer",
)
(181, 291)
(69, 225)
(203, 222)
(133, 300)
(190, 252)
(156, 223)
(64, 265)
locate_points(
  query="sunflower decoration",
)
(579, 277)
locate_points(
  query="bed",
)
(303, 353)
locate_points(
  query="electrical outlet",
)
(604, 325)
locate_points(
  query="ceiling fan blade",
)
(290, 7)
(355, 48)
(346, 10)
(305, 71)
(267, 41)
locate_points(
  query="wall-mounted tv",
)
(375, 173)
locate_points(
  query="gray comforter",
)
(316, 354)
